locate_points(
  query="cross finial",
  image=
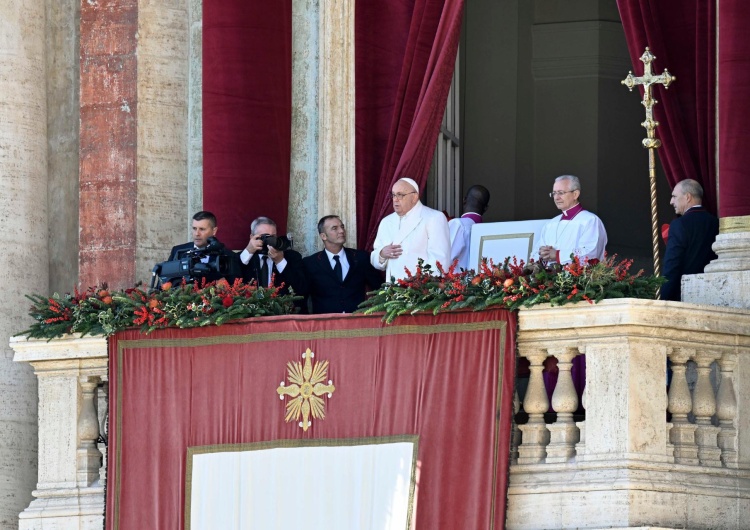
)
(647, 80)
(650, 142)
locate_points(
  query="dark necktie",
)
(263, 281)
(337, 270)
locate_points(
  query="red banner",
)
(447, 379)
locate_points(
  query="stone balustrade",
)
(647, 453)
(72, 376)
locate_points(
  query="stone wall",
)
(23, 208)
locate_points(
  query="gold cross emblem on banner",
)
(305, 390)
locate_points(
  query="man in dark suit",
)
(204, 233)
(261, 262)
(690, 237)
(338, 277)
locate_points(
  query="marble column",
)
(23, 206)
(726, 280)
(323, 162)
(107, 183)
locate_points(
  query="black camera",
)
(280, 243)
(211, 262)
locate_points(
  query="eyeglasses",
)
(560, 193)
(400, 196)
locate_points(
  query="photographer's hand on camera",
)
(255, 244)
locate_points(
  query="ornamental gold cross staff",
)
(650, 142)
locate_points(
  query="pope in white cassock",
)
(411, 232)
(575, 231)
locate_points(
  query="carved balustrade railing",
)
(649, 436)
(644, 453)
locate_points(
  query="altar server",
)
(575, 231)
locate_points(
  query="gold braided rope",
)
(654, 217)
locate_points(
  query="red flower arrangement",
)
(97, 311)
(511, 285)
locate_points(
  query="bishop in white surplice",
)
(411, 232)
(574, 232)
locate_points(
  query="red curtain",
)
(405, 56)
(734, 103)
(682, 35)
(247, 102)
(448, 379)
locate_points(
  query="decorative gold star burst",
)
(305, 388)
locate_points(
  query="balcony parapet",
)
(72, 378)
(690, 472)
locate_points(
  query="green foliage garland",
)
(97, 311)
(511, 285)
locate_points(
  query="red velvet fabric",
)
(405, 56)
(734, 108)
(682, 36)
(448, 379)
(247, 102)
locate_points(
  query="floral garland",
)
(98, 311)
(511, 285)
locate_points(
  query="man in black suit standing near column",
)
(261, 262)
(690, 238)
(338, 278)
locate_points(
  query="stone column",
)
(323, 162)
(108, 185)
(303, 184)
(161, 128)
(336, 164)
(23, 207)
(726, 280)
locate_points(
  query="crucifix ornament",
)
(647, 80)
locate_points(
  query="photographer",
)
(265, 256)
(207, 251)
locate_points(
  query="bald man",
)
(690, 238)
(411, 232)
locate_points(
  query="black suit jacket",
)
(293, 275)
(688, 248)
(229, 260)
(328, 294)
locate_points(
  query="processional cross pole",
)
(650, 142)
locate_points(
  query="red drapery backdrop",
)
(682, 36)
(448, 379)
(734, 107)
(405, 56)
(247, 102)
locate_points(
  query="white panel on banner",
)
(335, 487)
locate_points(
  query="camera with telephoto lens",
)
(280, 243)
(210, 262)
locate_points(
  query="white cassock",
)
(422, 233)
(460, 234)
(584, 236)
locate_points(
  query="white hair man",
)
(575, 231)
(411, 232)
